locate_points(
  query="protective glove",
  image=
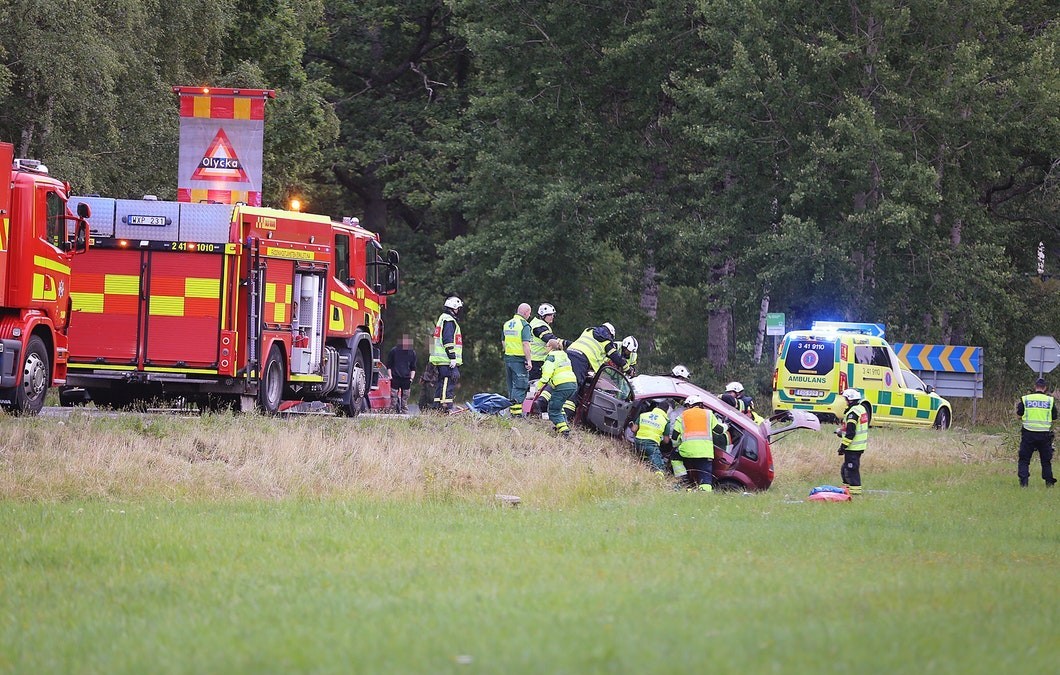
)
(452, 363)
(841, 451)
(839, 431)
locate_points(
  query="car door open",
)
(610, 401)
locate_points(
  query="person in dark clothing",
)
(402, 364)
(447, 353)
(1038, 411)
(428, 380)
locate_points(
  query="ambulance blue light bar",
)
(874, 329)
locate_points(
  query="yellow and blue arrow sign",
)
(944, 358)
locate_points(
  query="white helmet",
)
(694, 399)
(610, 329)
(630, 343)
(545, 309)
(852, 394)
(734, 386)
(680, 371)
(454, 303)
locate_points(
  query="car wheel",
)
(729, 485)
(942, 419)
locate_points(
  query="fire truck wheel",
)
(359, 385)
(36, 376)
(270, 391)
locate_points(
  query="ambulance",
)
(814, 367)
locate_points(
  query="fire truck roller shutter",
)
(307, 323)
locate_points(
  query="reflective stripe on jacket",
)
(516, 331)
(860, 417)
(693, 432)
(556, 370)
(439, 353)
(595, 352)
(1038, 412)
(538, 342)
(651, 425)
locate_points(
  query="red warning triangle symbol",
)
(220, 162)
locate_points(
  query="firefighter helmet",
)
(630, 344)
(852, 394)
(454, 303)
(694, 399)
(610, 329)
(680, 371)
(545, 309)
(734, 386)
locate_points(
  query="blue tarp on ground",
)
(489, 404)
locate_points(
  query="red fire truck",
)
(226, 306)
(38, 237)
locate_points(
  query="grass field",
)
(242, 544)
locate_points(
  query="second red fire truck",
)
(35, 258)
(226, 306)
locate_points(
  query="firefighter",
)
(734, 396)
(651, 427)
(1038, 410)
(681, 373)
(559, 376)
(854, 438)
(542, 338)
(694, 433)
(629, 349)
(516, 335)
(447, 352)
(593, 347)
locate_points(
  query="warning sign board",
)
(220, 162)
(221, 137)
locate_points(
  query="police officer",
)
(516, 335)
(447, 353)
(558, 374)
(1038, 410)
(650, 428)
(854, 439)
(694, 433)
(541, 336)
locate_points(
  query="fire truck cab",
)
(38, 239)
(226, 306)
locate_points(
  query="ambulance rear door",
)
(808, 373)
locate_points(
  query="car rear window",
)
(811, 357)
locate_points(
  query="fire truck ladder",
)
(255, 281)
